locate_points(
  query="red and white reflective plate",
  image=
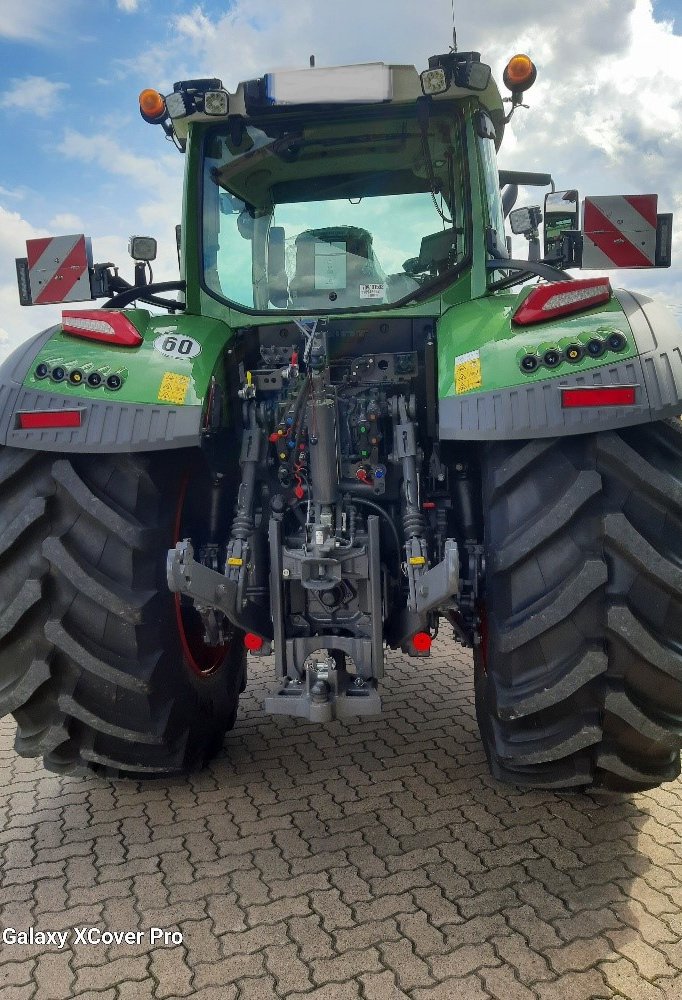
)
(58, 268)
(620, 231)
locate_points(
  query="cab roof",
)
(320, 91)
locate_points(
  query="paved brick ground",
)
(374, 860)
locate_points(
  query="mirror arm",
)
(536, 267)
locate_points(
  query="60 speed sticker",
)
(172, 345)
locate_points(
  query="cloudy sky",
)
(605, 117)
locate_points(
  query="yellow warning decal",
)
(468, 372)
(173, 388)
(235, 561)
(416, 560)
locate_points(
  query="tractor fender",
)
(160, 403)
(515, 407)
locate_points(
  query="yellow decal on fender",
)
(173, 388)
(468, 372)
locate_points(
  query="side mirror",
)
(562, 213)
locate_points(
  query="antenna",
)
(454, 29)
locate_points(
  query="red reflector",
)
(616, 396)
(428, 505)
(560, 298)
(107, 325)
(253, 642)
(421, 642)
(40, 419)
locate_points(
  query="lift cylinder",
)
(324, 463)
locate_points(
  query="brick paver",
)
(363, 860)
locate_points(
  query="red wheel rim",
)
(202, 659)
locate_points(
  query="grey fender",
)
(107, 426)
(535, 410)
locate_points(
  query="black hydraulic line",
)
(380, 510)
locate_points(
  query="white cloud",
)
(31, 20)
(128, 6)
(14, 193)
(65, 223)
(36, 94)
(159, 173)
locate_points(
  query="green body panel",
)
(142, 368)
(485, 326)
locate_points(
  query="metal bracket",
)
(325, 694)
(441, 582)
(211, 589)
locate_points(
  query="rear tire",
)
(98, 665)
(579, 672)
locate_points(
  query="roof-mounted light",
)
(101, 324)
(519, 74)
(203, 96)
(216, 102)
(561, 298)
(434, 81)
(463, 69)
(152, 106)
(179, 105)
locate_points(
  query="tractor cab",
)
(320, 192)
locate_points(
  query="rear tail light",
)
(101, 324)
(42, 419)
(421, 641)
(625, 395)
(254, 643)
(561, 298)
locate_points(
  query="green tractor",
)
(360, 417)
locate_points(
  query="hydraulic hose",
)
(380, 510)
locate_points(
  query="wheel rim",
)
(202, 659)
